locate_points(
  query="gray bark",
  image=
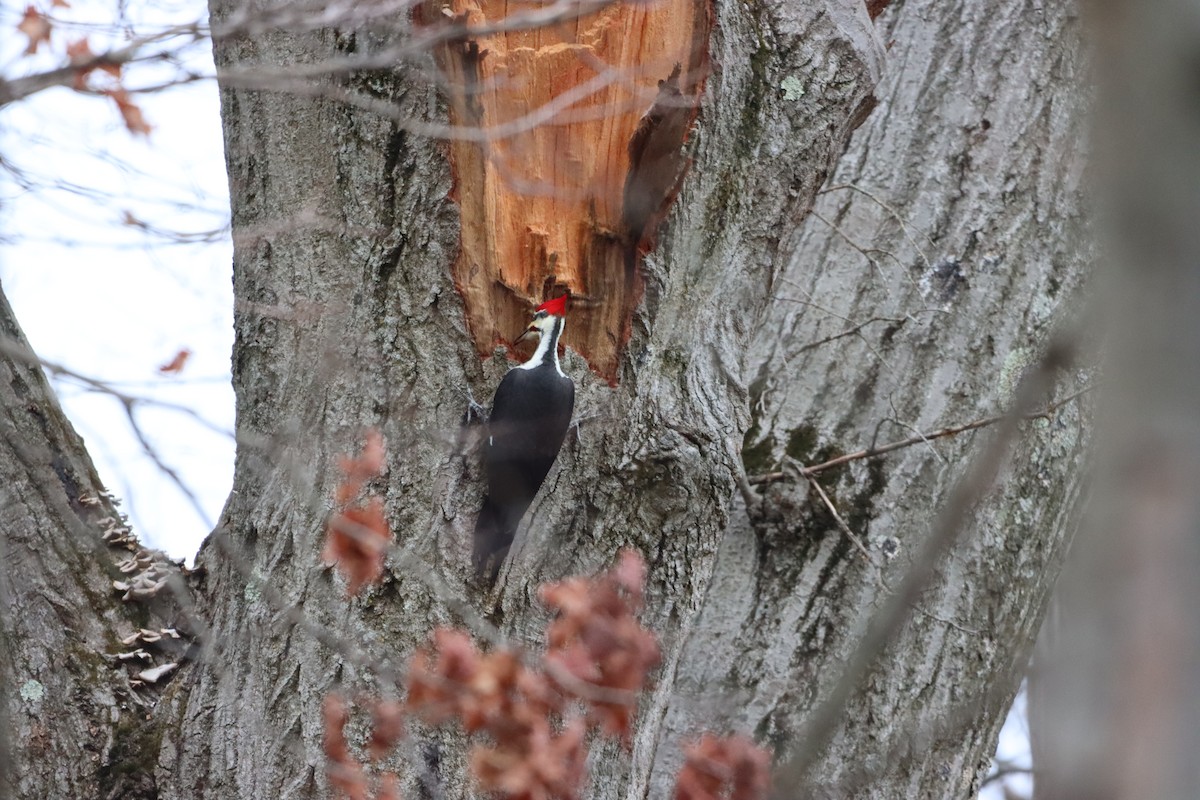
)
(975, 150)
(73, 725)
(347, 318)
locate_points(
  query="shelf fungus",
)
(153, 674)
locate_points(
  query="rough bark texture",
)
(347, 318)
(72, 724)
(947, 241)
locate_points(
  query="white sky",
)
(108, 300)
(114, 303)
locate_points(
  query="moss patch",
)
(758, 451)
(801, 443)
(128, 772)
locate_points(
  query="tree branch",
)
(872, 452)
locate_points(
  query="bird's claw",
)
(474, 412)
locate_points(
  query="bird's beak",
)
(525, 335)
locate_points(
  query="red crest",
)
(556, 307)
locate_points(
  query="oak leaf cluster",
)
(530, 717)
(357, 534)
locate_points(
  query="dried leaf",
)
(348, 779)
(599, 655)
(389, 787)
(345, 774)
(357, 543)
(715, 768)
(79, 54)
(386, 729)
(334, 716)
(358, 536)
(597, 641)
(370, 463)
(37, 27)
(135, 121)
(176, 364)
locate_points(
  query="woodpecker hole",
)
(584, 124)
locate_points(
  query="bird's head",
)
(545, 317)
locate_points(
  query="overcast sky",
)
(105, 298)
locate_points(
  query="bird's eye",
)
(540, 315)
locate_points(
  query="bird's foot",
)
(573, 428)
(475, 412)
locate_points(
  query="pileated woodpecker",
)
(530, 416)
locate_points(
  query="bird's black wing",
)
(531, 412)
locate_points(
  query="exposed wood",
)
(586, 121)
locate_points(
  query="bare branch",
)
(838, 517)
(873, 452)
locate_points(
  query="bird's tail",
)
(494, 534)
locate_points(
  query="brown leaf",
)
(176, 364)
(370, 462)
(599, 656)
(386, 729)
(597, 640)
(348, 779)
(389, 787)
(334, 715)
(546, 764)
(732, 766)
(79, 54)
(357, 543)
(36, 26)
(131, 112)
(343, 770)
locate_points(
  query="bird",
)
(531, 413)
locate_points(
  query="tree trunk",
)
(1127, 724)
(944, 250)
(930, 275)
(73, 712)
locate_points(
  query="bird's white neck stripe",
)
(547, 343)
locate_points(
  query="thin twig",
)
(849, 332)
(841, 522)
(20, 88)
(895, 215)
(807, 472)
(15, 349)
(865, 252)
